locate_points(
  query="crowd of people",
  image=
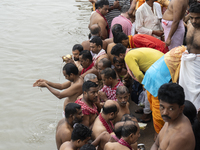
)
(133, 47)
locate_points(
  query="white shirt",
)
(148, 20)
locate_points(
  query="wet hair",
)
(96, 30)
(80, 132)
(194, 8)
(109, 109)
(88, 147)
(115, 29)
(70, 68)
(97, 40)
(86, 55)
(78, 47)
(106, 62)
(120, 36)
(101, 3)
(122, 90)
(125, 8)
(171, 93)
(115, 60)
(109, 72)
(126, 117)
(71, 109)
(129, 127)
(87, 85)
(118, 49)
(89, 76)
(118, 130)
(190, 111)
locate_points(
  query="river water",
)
(34, 34)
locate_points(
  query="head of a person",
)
(125, 9)
(172, 98)
(70, 71)
(90, 91)
(103, 64)
(85, 58)
(122, 38)
(95, 29)
(77, 48)
(96, 44)
(108, 76)
(115, 29)
(122, 95)
(118, 128)
(88, 147)
(190, 111)
(131, 131)
(195, 14)
(103, 6)
(119, 51)
(73, 111)
(91, 77)
(110, 109)
(117, 64)
(126, 117)
(80, 135)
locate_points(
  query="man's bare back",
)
(192, 39)
(176, 9)
(179, 136)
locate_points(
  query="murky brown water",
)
(34, 34)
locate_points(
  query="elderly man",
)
(104, 121)
(177, 131)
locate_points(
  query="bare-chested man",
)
(73, 87)
(96, 49)
(177, 131)
(98, 17)
(73, 114)
(172, 23)
(119, 69)
(104, 121)
(80, 136)
(95, 30)
(105, 137)
(189, 70)
(89, 109)
(122, 94)
(130, 135)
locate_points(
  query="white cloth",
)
(133, 29)
(148, 20)
(189, 77)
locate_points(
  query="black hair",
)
(78, 47)
(118, 131)
(125, 8)
(101, 3)
(109, 109)
(95, 31)
(97, 40)
(129, 127)
(171, 93)
(86, 55)
(106, 62)
(87, 85)
(115, 60)
(194, 8)
(115, 29)
(118, 49)
(109, 72)
(71, 109)
(190, 111)
(88, 147)
(122, 90)
(70, 68)
(118, 37)
(80, 132)
(126, 117)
